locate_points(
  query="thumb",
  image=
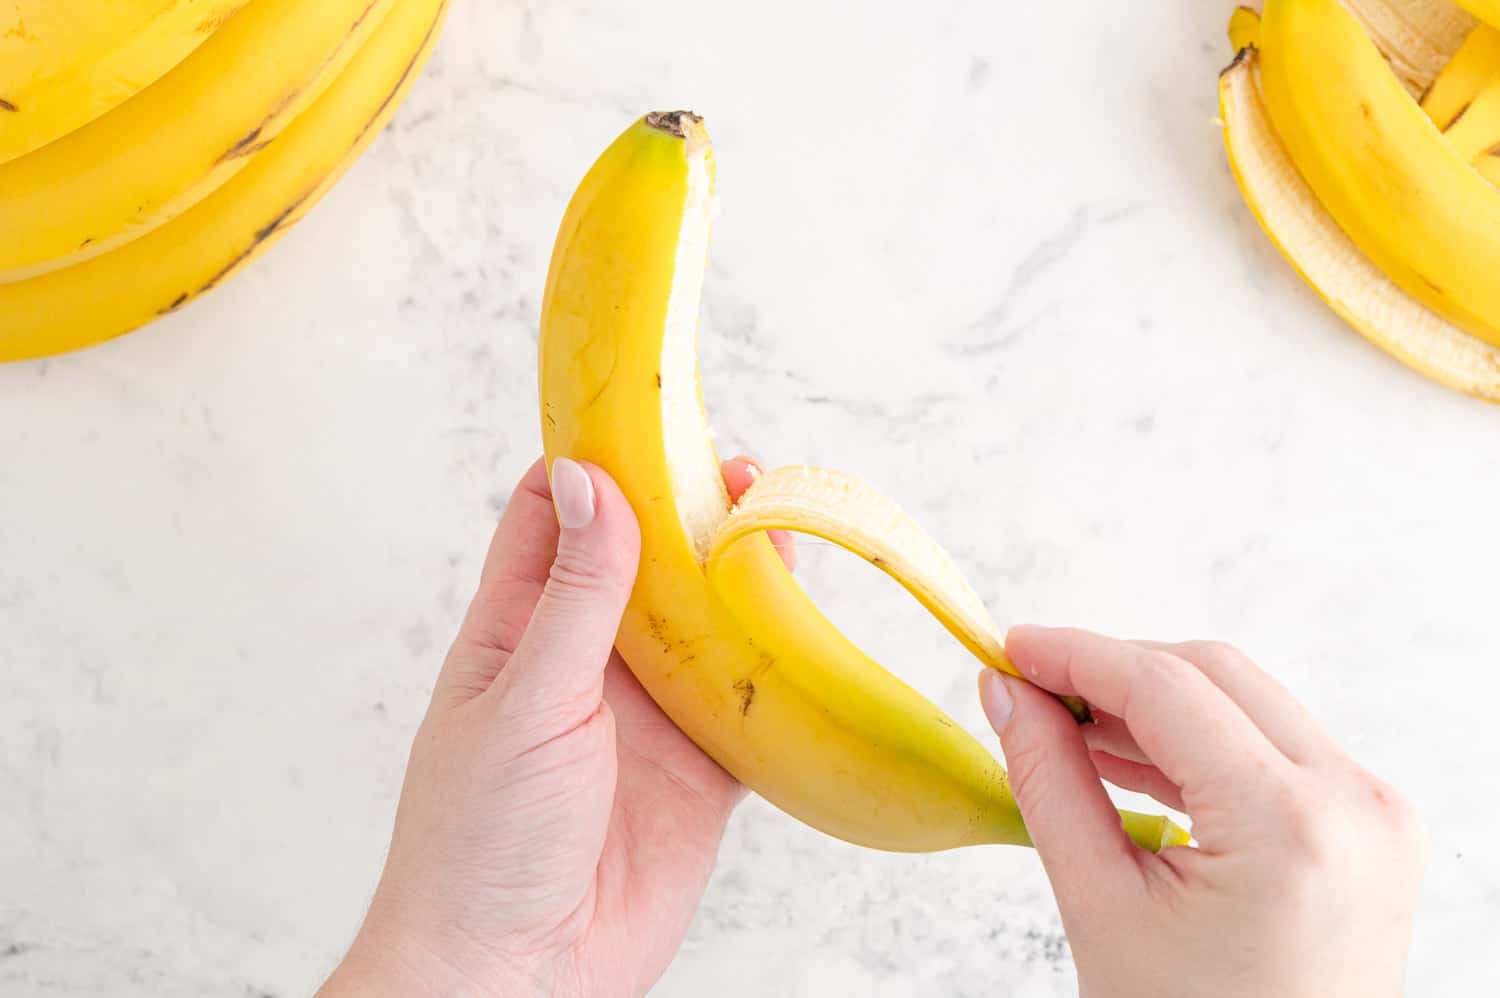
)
(1075, 828)
(558, 666)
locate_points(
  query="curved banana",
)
(1396, 186)
(1328, 260)
(158, 273)
(63, 63)
(717, 630)
(152, 157)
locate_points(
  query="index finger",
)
(1194, 733)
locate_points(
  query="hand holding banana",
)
(556, 829)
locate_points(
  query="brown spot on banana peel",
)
(745, 688)
(177, 303)
(1459, 116)
(1241, 57)
(6, 105)
(247, 145)
(265, 232)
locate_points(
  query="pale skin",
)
(556, 831)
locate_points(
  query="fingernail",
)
(572, 494)
(996, 700)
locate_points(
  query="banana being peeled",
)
(158, 273)
(717, 630)
(158, 154)
(63, 63)
(1382, 203)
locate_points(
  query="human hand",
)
(556, 830)
(1307, 868)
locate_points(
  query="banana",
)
(1328, 260)
(1244, 28)
(63, 63)
(717, 629)
(1487, 11)
(158, 273)
(179, 140)
(1393, 182)
(1475, 134)
(1419, 37)
(1489, 167)
(1472, 68)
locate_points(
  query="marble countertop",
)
(991, 259)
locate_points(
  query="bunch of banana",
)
(1365, 135)
(150, 148)
(717, 630)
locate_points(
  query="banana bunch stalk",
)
(1365, 135)
(151, 148)
(717, 630)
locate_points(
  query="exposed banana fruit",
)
(1309, 237)
(112, 294)
(176, 142)
(63, 63)
(717, 629)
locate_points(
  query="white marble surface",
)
(988, 255)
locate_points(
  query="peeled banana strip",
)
(854, 515)
(63, 63)
(1473, 67)
(160, 272)
(153, 157)
(1310, 238)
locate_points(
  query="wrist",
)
(390, 958)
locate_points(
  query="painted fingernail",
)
(996, 700)
(572, 494)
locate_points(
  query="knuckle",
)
(1308, 834)
(583, 573)
(1027, 763)
(1399, 816)
(1221, 651)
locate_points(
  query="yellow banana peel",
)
(717, 630)
(151, 158)
(63, 63)
(1385, 204)
(1473, 67)
(111, 294)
